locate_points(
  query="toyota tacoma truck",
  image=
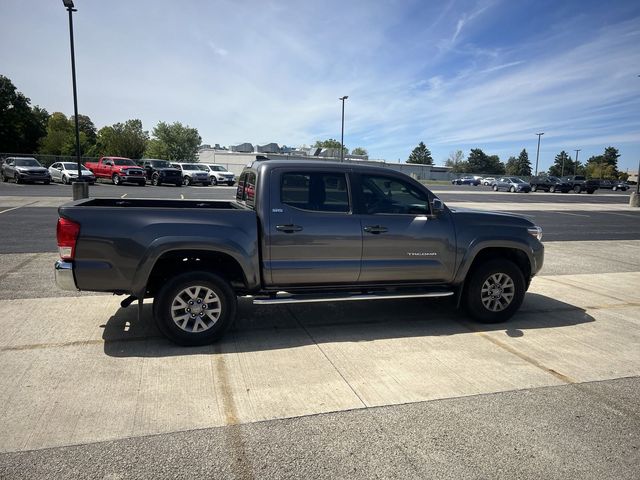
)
(578, 183)
(117, 169)
(297, 231)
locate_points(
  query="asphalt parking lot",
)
(406, 389)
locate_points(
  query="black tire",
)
(17, 179)
(495, 188)
(590, 191)
(164, 299)
(614, 188)
(534, 188)
(577, 189)
(155, 180)
(473, 301)
(512, 189)
(116, 179)
(231, 184)
(187, 181)
(214, 181)
(552, 189)
(65, 180)
(143, 183)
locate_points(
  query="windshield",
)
(217, 168)
(161, 164)
(554, 179)
(27, 162)
(516, 180)
(124, 162)
(73, 166)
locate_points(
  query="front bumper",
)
(64, 275)
(32, 177)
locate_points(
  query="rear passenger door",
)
(314, 238)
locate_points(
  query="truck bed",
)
(157, 203)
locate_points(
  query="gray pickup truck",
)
(298, 231)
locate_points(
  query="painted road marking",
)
(572, 214)
(123, 195)
(15, 208)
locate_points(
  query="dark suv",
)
(161, 171)
(614, 185)
(549, 183)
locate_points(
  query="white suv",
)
(193, 173)
(219, 174)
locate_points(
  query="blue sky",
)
(456, 74)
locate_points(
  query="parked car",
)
(218, 174)
(159, 172)
(318, 231)
(23, 170)
(511, 184)
(613, 185)
(193, 173)
(488, 181)
(466, 181)
(578, 183)
(117, 169)
(67, 172)
(549, 183)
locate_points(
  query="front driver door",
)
(402, 240)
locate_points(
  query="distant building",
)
(268, 148)
(242, 148)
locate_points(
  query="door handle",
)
(375, 229)
(288, 228)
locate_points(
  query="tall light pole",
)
(575, 170)
(80, 188)
(342, 131)
(538, 152)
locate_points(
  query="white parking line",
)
(572, 214)
(15, 208)
(624, 215)
(123, 195)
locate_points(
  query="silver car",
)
(67, 172)
(511, 184)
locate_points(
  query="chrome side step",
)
(284, 297)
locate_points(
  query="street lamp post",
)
(538, 151)
(80, 188)
(575, 169)
(342, 131)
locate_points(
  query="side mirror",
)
(437, 207)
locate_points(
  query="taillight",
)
(67, 234)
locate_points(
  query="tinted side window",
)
(389, 195)
(240, 189)
(246, 191)
(318, 191)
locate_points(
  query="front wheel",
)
(614, 188)
(65, 180)
(552, 189)
(534, 188)
(494, 292)
(195, 308)
(116, 179)
(512, 189)
(187, 181)
(155, 180)
(495, 188)
(577, 189)
(214, 181)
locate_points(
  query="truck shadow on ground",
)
(260, 328)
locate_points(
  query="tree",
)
(174, 142)
(562, 165)
(359, 151)
(330, 143)
(480, 162)
(604, 166)
(86, 126)
(126, 139)
(421, 155)
(59, 134)
(21, 126)
(454, 158)
(520, 167)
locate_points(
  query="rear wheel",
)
(577, 189)
(495, 188)
(214, 181)
(494, 292)
(155, 180)
(187, 181)
(512, 189)
(552, 189)
(195, 308)
(17, 178)
(116, 179)
(534, 188)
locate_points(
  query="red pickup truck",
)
(118, 169)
